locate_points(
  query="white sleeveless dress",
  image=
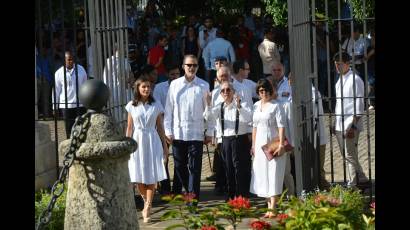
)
(146, 164)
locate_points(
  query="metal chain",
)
(77, 138)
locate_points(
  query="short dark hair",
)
(220, 58)
(160, 37)
(171, 66)
(147, 69)
(344, 56)
(265, 84)
(238, 64)
(357, 28)
(208, 17)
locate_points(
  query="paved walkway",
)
(366, 158)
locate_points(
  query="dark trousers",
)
(219, 169)
(165, 185)
(237, 162)
(211, 79)
(176, 183)
(188, 164)
(44, 97)
(69, 116)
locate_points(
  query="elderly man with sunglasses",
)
(234, 117)
(224, 75)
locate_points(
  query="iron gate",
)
(308, 70)
(95, 31)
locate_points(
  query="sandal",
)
(146, 213)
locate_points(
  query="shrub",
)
(42, 198)
(338, 209)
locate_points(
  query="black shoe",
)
(324, 185)
(364, 185)
(211, 178)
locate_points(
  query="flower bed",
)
(339, 208)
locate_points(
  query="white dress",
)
(267, 176)
(146, 164)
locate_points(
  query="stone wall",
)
(45, 157)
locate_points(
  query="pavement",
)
(208, 199)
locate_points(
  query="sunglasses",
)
(192, 65)
(226, 90)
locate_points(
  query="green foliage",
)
(338, 209)
(360, 12)
(278, 9)
(42, 198)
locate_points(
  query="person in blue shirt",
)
(44, 82)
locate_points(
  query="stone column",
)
(99, 190)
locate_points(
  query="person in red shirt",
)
(244, 36)
(156, 57)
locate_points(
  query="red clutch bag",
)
(271, 147)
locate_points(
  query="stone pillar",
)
(99, 192)
(45, 157)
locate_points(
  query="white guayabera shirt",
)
(160, 92)
(349, 105)
(284, 91)
(184, 109)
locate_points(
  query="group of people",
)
(238, 116)
(212, 101)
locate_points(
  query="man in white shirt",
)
(241, 71)
(224, 74)
(283, 89)
(219, 47)
(68, 80)
(184, 124)
(356, 45)
(234, 117)
(115, 76)
(161, 89)
(269, 53)
(207, 34)
(160, 95)
(348, 123)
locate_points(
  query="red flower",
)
(206, 227)
(260, 225)
(334, 202)
(189, 197)
(319, 198)
(239, 202)
(373, 205)
(281, 217)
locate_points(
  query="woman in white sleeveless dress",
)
(146, 164)
(268, 123)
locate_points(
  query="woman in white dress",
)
(146, 164)
(268, 123)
